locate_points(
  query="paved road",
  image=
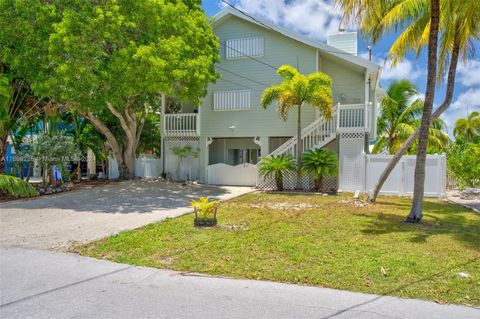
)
(58, 221)
(47, 284)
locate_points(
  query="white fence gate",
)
(239, 175)
(401, 179)
(145, 167)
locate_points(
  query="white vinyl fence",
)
(239, 175)
(145, 167)
(401, 179)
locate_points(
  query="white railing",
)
(353, 117)
(181, 124)
(315, 135)
(345, 118)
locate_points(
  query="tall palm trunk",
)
(419, 180)
(299, 148)
(446, 103)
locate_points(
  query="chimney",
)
(345, 41)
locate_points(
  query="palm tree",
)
(295, 90)
(321, 163)
(468, 127)
(420, 21)
(276, 166)
(399, 119)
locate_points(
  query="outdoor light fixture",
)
(232, 127)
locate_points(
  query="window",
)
(231, 100)
(244, 47)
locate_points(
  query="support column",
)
(203, 145)
(264, 146)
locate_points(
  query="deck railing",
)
(181, 124)
(345, 118)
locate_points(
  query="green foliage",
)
(399, 118)
(204, 208)
(296, 89)
(321, 163)
(16, 187)
(147, 47)
(463, 162)
(150, 138)
(468, 127)
(276, 166)
(183, 153)
(55, 148)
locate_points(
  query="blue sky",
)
(318, 18)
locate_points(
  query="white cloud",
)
(469, 73)
(406, 69)
(402, 70)
(467, 101)
(314, 18)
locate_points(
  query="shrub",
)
(276, 166)
(463, 163)
(320, 163)
(16, 187)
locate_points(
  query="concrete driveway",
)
(46, 284)
(58, 221)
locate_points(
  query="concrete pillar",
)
(264, 146)
(203, 159)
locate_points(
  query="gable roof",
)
(327, 49)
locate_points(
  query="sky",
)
(318, 18)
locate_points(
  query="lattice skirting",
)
(181, 138)
(329, 183)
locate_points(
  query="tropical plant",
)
(54, 148)
(419, 23)
(146, 48)
(204, 208)
(182, 153)
(399, 118)
(468, 127)
(13, 186)
(275, 166)
(295, 91)
(463, 162)
(320, 163)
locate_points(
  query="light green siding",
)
(348, 82)
(256, 121)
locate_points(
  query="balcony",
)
(181, 124)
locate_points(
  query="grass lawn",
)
(319, 240)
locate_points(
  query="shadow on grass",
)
(439, 218)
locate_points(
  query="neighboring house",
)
(232, 132)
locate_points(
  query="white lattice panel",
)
(352, 162)
(329, 183)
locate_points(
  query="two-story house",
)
(232, 132)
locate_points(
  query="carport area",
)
(60, 221)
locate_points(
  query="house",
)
(232, 132)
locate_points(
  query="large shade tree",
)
(112, 58)
(295, 91)
(419, 23)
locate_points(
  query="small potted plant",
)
(205, 212)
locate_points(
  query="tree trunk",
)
(128, 122)
(299, 148)
(446, 103)
(279, 181)
(419, 179)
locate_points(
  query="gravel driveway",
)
(58, 221)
